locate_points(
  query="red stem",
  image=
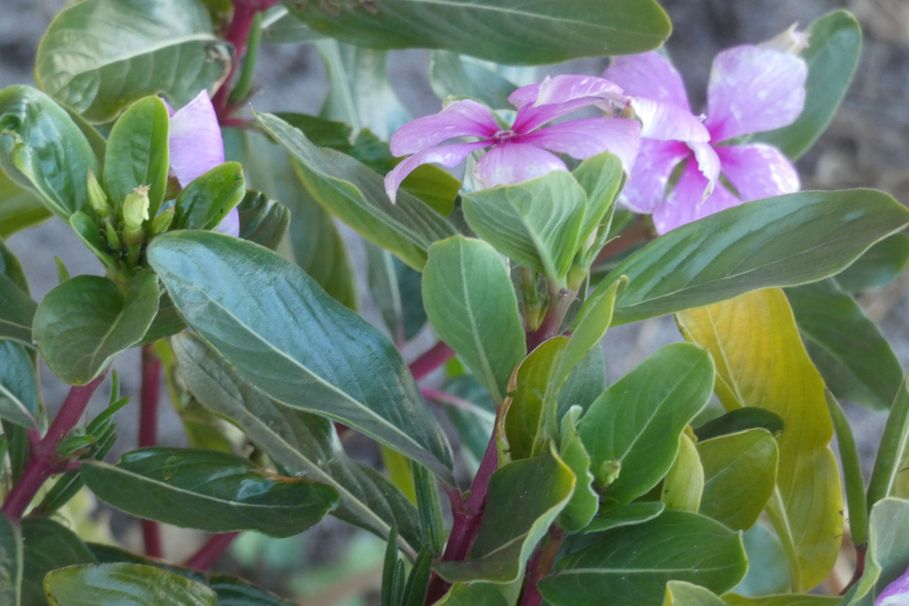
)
(860, 553)
(44, 461)
(211, 551)
(148, 436)
(430, 360)
(539, 566)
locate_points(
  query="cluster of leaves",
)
(708, 461)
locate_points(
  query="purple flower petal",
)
(508, 163)
(524, 95)
(446, 155)
(649, 75)
(464, 118)
(758, 171)
(668, 122)
(753, 90)
(646, 185)
(896, 593)
(685, 204)
(561, 95)
(230, 224)
(195, 144)
(590, 136)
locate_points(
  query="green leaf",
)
(631, 565)
(262, 220)
(133, 584)
(16, 312)
(287, 337)
(280, 27)
(602, 178)
(740, 419)
(584, 501)
(832, 57)
(471, 304)
(88, 231)
(356, 195)
(137, 153)
(806, 508)
(473, 594)
(298, 442)
(11, 562)
(638, 420)
(617, 515)
(683, 486)
(680, 593)
(888, 551)
(853, 356)
(524, 499)
(208, 490)
(451, 74)
(509, 31)
(536, 223)
(48, 546)
(84, 322)
(740, 473)
(19, 209)
(209, 197)
(237, 592)
(19, 400)
(783, 241)
(42, 148)
(95, 60)
(782, 600)
(876, 268)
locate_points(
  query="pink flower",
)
(195, 147)
(752, 89)
(528, 147)
(896, 593)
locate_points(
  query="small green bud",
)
(135, 214)
(113, 239)
(97, 199)
(607, 474)
(161, 223)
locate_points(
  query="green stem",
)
(893, 444)
(852, 473)
(244, 83)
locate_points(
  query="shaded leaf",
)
(19, 209)
(262, 220)
(451, 74)
(19, 399)
(48, 546)
(876, 268)
(11, 562)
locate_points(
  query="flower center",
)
(503, 135)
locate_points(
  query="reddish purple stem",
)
(430, 360)
(211, 551)
(148, 436)
(44, 461)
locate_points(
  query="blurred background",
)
(867, 145)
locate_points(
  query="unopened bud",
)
(97, 199)
(790, 41)
(113, 240)
(608, 473)
(135, 213)
(161, 223)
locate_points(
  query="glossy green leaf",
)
(209, 197)
(137, 153)
(637, 421)
(262, 220)
(680, 593)
(356, 195)
(631, 565)
(509, 31)
(94, 60)
(683, 486)
(11, 562)
(48, 546)
(832, 57)
(16, 312)
(853, 356)
(84, 322)
(783, 241)
(584, 501)
(761, 361)
(875, 269)
(122, 583)
(536, 223)
(452, 75)
(208, 490)
(470, 301)
(42, 148)
(300, 443)
(524, 498)
(888, 551)
(740, 419)
(294, 337)
(783, 600)
(740, 472)
(19, 209)
(617, 515)
(19, 400)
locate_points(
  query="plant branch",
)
(560, 301)
(44, 461)
(540, 564)
(852, 474)
(148, 436)
(430, 360)
(893, 444)
(211, 551)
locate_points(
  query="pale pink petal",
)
(758, 171)
(646, 185)
(195, 144)
(560, 95)
(896, 593)
(668, 122)
(508, 163)
(708, 161)
(446, 155)
(524, 95)
(686, 202)
(753, 90)
(588, 137)
(230, 224)
(463, 118)
(650, 75)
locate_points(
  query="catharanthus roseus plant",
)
(464, 438)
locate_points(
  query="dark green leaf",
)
(631, 565)
(209, 197)
(505, 31)
(237, 592)
(19, 208)
(132, 584)
(11, 562)
(876, 268)
(43, 149)
(783, 600)
(740, 419)
(262, 220)
(48, 546)
(84, 322)
(95, 60)
(19, 400)
(16, 312)
(783, 241)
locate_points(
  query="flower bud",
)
(97, 199)
(135, 213)
(790, 41)
(608, 473)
